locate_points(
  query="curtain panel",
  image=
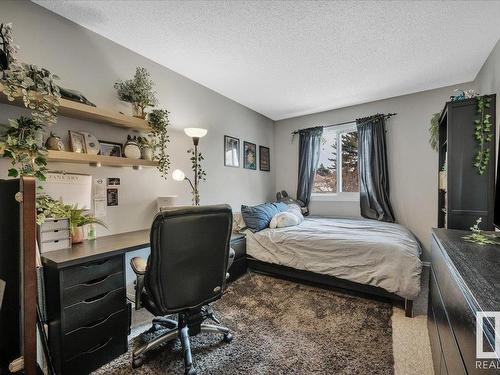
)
(309, 149)
(373, 171)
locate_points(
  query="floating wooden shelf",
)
(114, 161)
(81, 111)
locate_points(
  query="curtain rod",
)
(346, 122)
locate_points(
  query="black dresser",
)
(465, 278)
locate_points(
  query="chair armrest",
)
(230, 261)
(139, 265)
(232, 255)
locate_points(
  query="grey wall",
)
(412, 163)
(91, 64)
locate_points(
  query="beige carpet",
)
(411, 346)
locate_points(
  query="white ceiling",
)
(285, 58)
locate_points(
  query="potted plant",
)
(23, 143)
(77, 219)
(138, 91)
(159, 122)
(146, 145)
(48, 207)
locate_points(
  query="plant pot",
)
(77, 235)
(147, 153)
(138, 111)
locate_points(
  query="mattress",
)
(364, 251)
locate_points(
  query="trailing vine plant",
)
(434, 131)
(35, 85)
(199, 172)
(159, 122)
(22, 143)
(483, 134)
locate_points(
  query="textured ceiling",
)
(284, 58)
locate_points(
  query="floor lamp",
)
(178, 175)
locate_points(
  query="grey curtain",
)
(309, 148)
(373, 171)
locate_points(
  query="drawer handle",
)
(96, 298)
(95, 264)
(98, 280)
(92, 350)
(98, 346)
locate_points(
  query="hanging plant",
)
(483, 133)
(138, 91)
(159, 122)
(35, 85)
(8, 50)
(434, 131)
(22, 143)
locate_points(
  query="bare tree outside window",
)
(338, 149)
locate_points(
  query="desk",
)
(87, 310)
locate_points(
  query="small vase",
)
(77, 235)
(138, 111)
(147, 153)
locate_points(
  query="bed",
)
(364, 255)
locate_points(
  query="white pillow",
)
(295, 210)
(284, 219)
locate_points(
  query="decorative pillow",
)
(296, 210)
(284, 219)
(258, 217)
(238, 223)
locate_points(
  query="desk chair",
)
(186, 271)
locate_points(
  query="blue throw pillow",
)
(258, 217)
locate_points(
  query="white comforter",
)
(364, 251)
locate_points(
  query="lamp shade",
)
(195, 132)
(178, 175)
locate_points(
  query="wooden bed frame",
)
(329, 282)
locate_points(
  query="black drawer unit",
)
(464, 280)
(239, 266)
(87, 314)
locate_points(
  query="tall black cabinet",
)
(464, 195)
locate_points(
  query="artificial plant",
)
(48, 207)
(138, 91)
(434, 131)
(479, 237)
(21, 142)
(483, 133)
(35, 85)
(158, 121)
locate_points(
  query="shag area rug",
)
(281, 327)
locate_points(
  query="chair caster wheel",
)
(191, 371)
(228, 337)
(137, 362)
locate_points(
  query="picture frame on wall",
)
(264, 159)
(231, 151)
(249, 155)
(76, 142)
(110, 148)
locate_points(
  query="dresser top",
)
(477, 265)
(102, 247)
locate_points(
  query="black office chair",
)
(186, 271)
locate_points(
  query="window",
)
(338, 162)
